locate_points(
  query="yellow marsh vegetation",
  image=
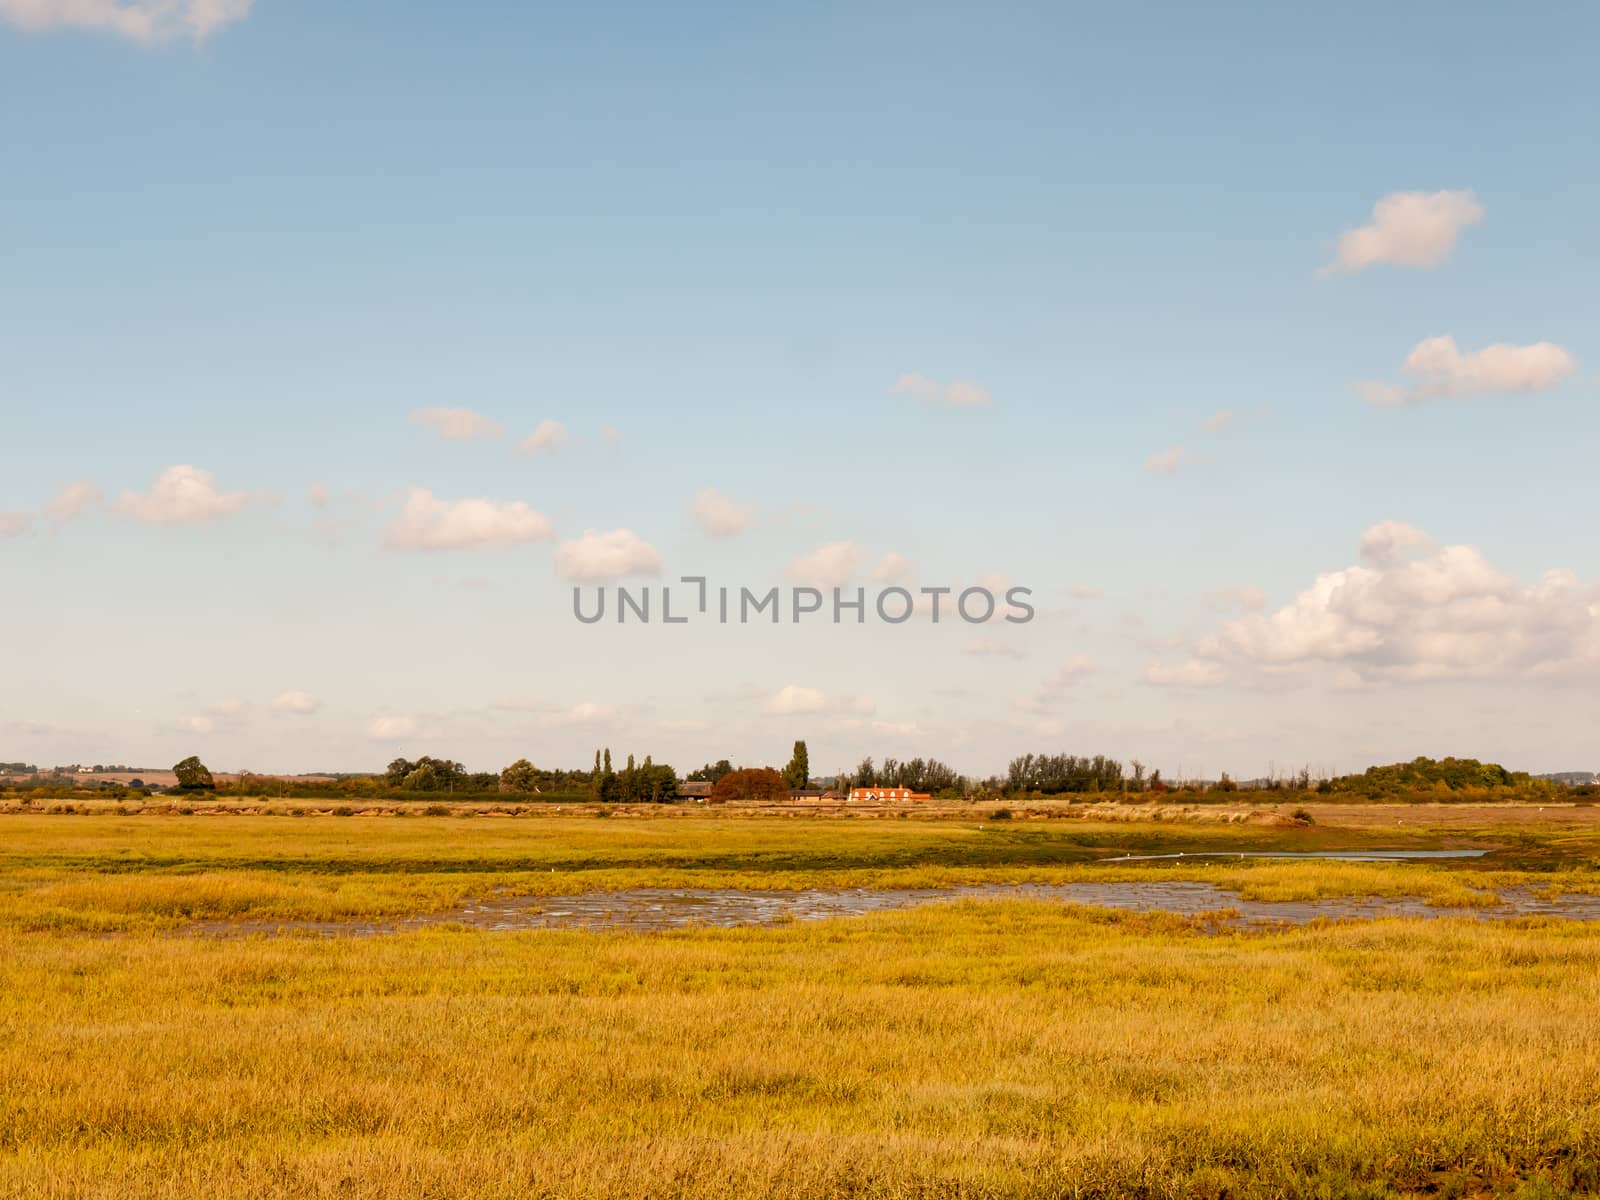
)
(983, 1049)
(105, 873)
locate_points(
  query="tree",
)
(712, 772)
(759, 783)
(423, 779)
(193, 775)
(798, 773)
(520, 776)
(866, 773)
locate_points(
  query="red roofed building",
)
(887, 793)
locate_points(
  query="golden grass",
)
(109, 873)
(979, 1049)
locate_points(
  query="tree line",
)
(1048, 774)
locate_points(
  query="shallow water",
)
(653, 909)
(1367, 856)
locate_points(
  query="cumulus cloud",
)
(792, 699)
(428, 523)
(391, 729)
(585, 712)
(596, 557)
(1167, 462)
(14, 524)
(457, 424)
(1443, 371)
(147, 21)
(830, 566)
(1220, 421)
(1408, 229)
(1389, 541)
(318, 495)
(183, 494)
(719, 515)
(300, 703)
(961, 393)
(74, 499)
(225, 708)
(1416, 611)
(612, 435)
(547, 435)
(1058, 682)
(1247, 598)
(992, 648)
(1194, 673)
(197, 725)
(892, 568)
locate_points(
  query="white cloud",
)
(792, 700)
(147, 21)
(992, 648)
(428, 523)
(1442, 370)
(1086, 591)
(1420, 612)
(612, 435)
(1220, 421)
(583, 713)
(318, 495)
(1070, 671)
(1248, 598)
(391, 729)
(1167, 462)
(547, 435)
(830, 566)
(1408, 229)
(719, 515)
(1058, 682)
(301, 703)
(183, 494)
(600, 556)
(74, 499)
(225, 708)
(199, 725)
(892, 568)
(1389, 541)
(13, 524)
(457, 424)
(1191, 674)
(961, 393)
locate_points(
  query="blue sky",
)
(257, 238)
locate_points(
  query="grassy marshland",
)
(979, 1049)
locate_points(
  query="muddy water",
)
(653, 909)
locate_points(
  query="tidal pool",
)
(1367, 856)
(653, 909)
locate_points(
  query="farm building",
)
(887, 793)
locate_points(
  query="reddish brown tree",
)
(760, 784)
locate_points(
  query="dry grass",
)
(974, 1050)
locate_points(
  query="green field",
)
(975, 1049)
